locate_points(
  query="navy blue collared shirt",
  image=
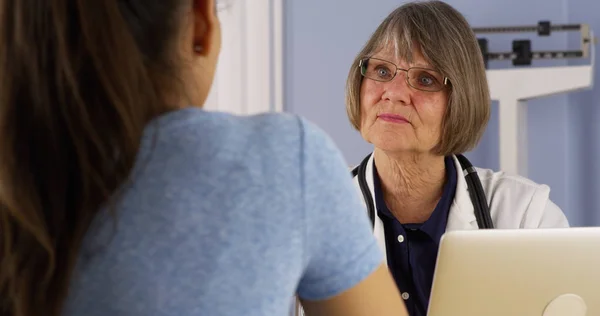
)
(412, 248)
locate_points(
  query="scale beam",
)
(522, 54)
(543, 28)
(513, 87)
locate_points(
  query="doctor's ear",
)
(206, 28)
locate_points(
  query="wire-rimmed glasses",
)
(420, 78)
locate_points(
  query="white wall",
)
(249, 73)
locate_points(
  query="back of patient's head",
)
(80, 80)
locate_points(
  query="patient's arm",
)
(375, 295)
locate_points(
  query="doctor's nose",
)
(398, 89)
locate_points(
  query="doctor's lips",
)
(393, 118)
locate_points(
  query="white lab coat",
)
(515, 202)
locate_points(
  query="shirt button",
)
(405, 296)
(400, 238)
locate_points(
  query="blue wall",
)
(584, 130)
(322, 39)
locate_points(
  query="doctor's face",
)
(400, 115)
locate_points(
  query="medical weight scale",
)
(513, 87)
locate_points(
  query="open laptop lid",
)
(543, 272)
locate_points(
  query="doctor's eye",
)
(378, 69)
(424, 79)
(383, 72)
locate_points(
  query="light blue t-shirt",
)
(226, 215)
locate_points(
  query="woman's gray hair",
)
(446, 40)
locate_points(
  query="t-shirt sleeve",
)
(340, 249)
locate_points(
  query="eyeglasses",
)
(419, 78)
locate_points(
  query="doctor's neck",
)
(412, 183)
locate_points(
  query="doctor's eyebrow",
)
(410, 65)
(421, 65)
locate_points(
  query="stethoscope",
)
(482, 211)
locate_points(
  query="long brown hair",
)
(79, 81)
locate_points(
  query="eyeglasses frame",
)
(362, 60)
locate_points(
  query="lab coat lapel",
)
(378, 228)
(462, 213)
(461, 216)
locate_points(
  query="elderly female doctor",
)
(418, 92)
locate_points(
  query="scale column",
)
(513, 136)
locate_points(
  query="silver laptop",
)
(529, 272)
